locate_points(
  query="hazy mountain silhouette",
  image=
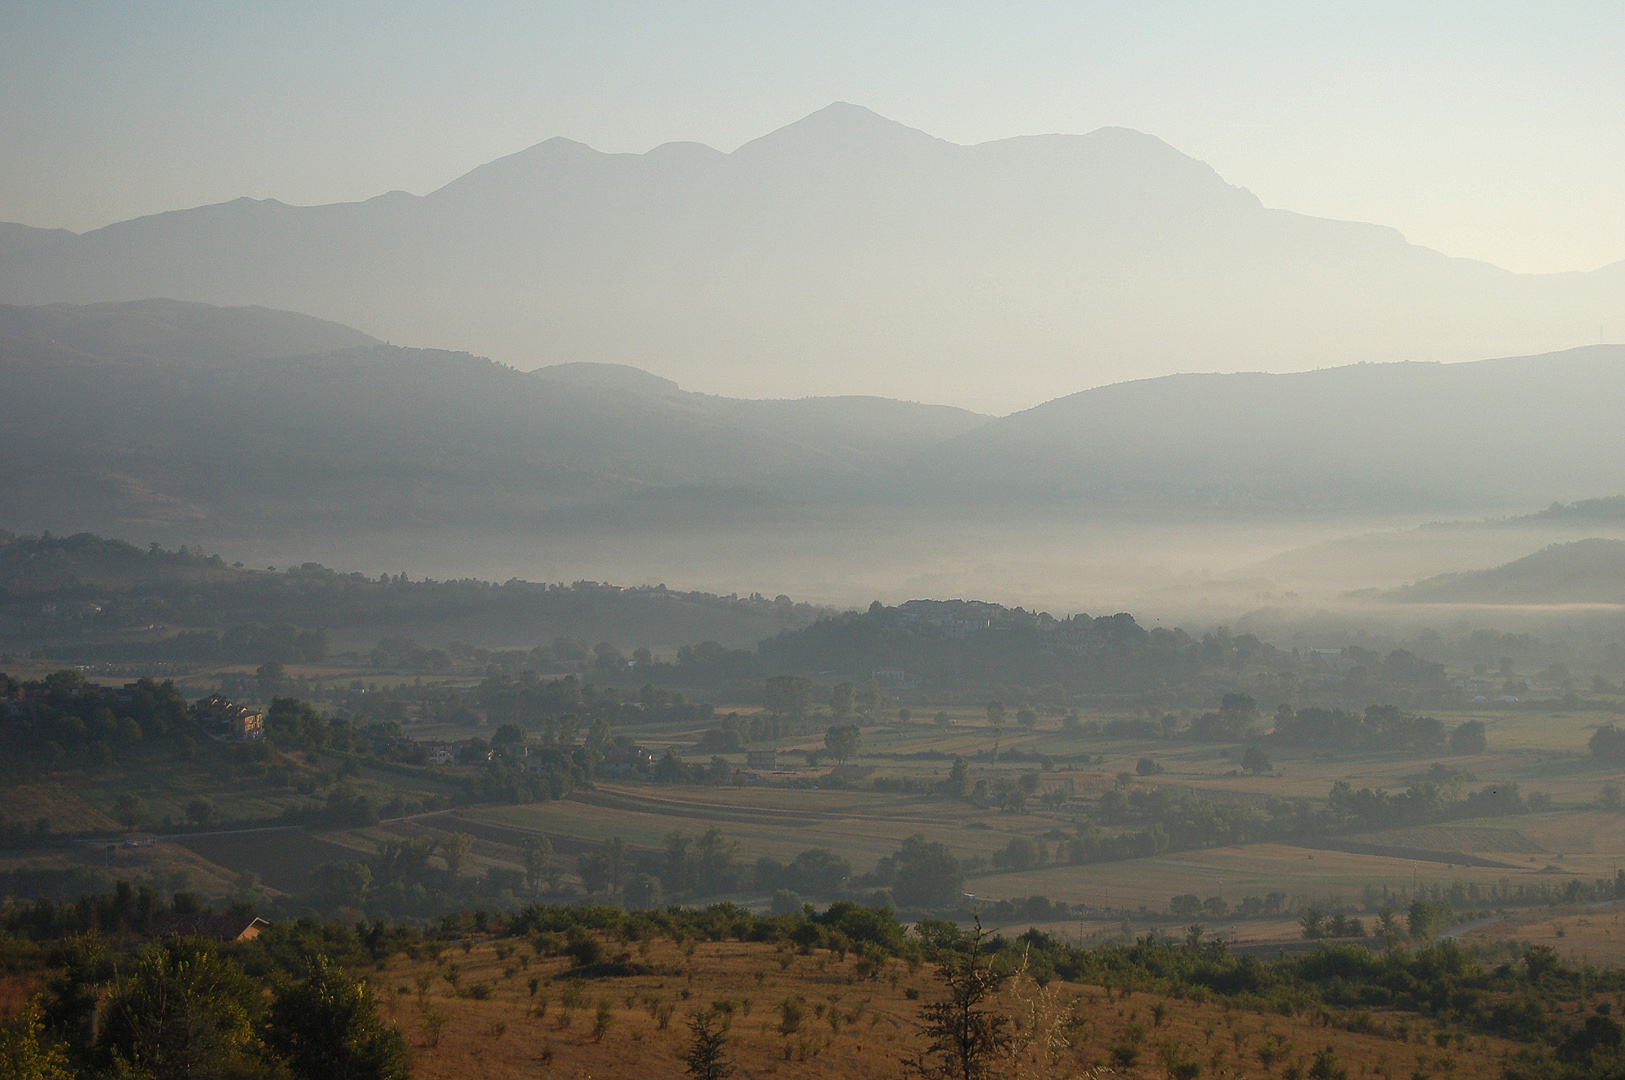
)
(260, 420)
(844, 253)
(1582, 572)
(268, 421)
(166, 331)
(1493, 433)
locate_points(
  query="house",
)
(761, 759)
(627, 760)
(227, 721)
(440, 753)
(894, 679)
(214, 927)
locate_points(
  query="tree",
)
(1608, 743)
(536, 853)
(965, 1036)
(1020, 854)
(1148, 767)
(787, 695)
(643, 891)
(922, 873)
(327, 1028)
(842, 741)
(707, 1056)
(341, 884)
(995, 713)
(841, 699)
(959, 778)
(1256, 761)
(1610, 797)
(509, 734)
(714, 856)
(177, 1012)
(454, 851)
(270, 676)
(1388, 926)
(1469, 738)
(24, 1057)
(617, 857)
(1313, 923)
(130, 810)
(1026, 719)
(594, 875)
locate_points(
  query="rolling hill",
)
(1582, 572)
(1508, 432)
(253, 430)
(842, 254)
(266, 421)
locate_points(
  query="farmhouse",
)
(213, 927)
(894, 679)
(227, 721)
(627, 760)
(439, 753)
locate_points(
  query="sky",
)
(1487, 130)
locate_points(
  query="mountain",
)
(256, 421)
(167, 331)
(1410, 436)
(1582, 572)
(843, 254)
(265, 420)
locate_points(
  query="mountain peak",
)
(839, 126)
(597, 376)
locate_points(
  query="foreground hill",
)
(847, 992)
(846, 253)
(1582, 572)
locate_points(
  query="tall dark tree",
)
(327, 1028)
(178, 1012)
(841, 700)
(922, 873)
(707, 1057)
(966, 1036)
(787, 695)
(842, 741)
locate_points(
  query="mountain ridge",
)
(843, 254)
(273, 419)
(1585, 571)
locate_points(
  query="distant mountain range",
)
(252, 420)
(1492, 433)
(1583, 572)
(842, 254)
(158, 411)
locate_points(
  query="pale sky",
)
(1488, 130)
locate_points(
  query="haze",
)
(812, 298)
(476, 479)
(1489, 132)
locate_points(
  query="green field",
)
(796, 808)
